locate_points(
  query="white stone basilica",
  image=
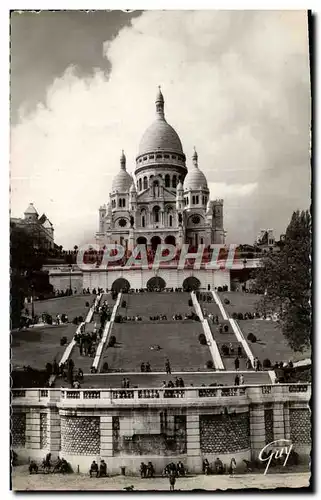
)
(164, 201)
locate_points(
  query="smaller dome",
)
(132, 187)
(31, 209)
(122, 181)
(179, 186)
(195, 179)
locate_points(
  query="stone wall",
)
(224, 433)
(18, 430)
(80, 435)
(138, 279)
(300, 426)
(149, 434)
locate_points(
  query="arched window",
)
(174, 181)
(143, 217)
(196, 199)
(193, 200)
(124, 202)
(156, 214)
(119, 203)
(140, 184)
(170, 220)
(167, 181)
(145, 183)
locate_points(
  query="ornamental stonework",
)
(268, 419)
(224, 433)
(300, 426)
(43, 430)
(80, 435)
(18, 430)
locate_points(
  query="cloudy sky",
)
(236, 85)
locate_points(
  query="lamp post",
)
(32, 304)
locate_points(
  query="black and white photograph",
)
(160, 250)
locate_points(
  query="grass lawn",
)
(40, 345)
(156, 380)
(72, 306)
(270, 343)
(240, 302)
(178, 341)
(153, 303)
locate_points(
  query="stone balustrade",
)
(280, 392)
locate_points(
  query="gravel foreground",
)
(22, 481)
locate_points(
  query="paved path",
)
(22, 481)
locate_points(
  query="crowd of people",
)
(229, 350)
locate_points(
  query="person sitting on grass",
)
(93, 469)
(102, 468)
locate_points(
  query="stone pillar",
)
(278, 421)
(257, 429)
(106, 436)
(286, 413)
(54, 432)
(33, 429)
(194, 461)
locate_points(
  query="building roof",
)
(122, 181)
(160, 136)
(31, 209)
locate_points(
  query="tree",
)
(285, 280)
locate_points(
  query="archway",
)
(155, 241)
(120, 285)
(155, 283)
(141, 240)
(191, 283)
(170, 240)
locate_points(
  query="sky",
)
(236, 86)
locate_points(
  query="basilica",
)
(164, 200)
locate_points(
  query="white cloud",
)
(236, 86)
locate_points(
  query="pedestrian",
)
(172, 480)
(248, 364)
(168, 367)
(237, 380)
(237, 363)
(241, 379)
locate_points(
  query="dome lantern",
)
(160, 104)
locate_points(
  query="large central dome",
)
(160, 136)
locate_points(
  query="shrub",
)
(251, 337)
(87, 304)
(226, 301)
(75, 321)
(219, 289)
(266, 363)
(202, 339)
(124, 304)
(240, 316)
(234, 315)
(63, 341)
(80, 319)
(105, 367)
(118, 318)
(209, 364)
(49, 319)
(190, 302)
(112, 341)
(225, 328)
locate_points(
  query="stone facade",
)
(127, 431)
(80, 435)
(214, 430)
(18, 430)
(300, 425)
